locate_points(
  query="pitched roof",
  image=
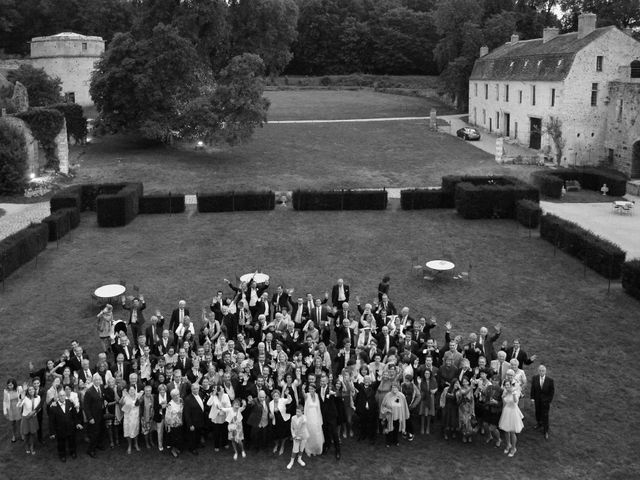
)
(533, 59)
(66, 36)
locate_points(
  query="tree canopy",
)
(42, 89)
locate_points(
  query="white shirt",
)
(341, 297)
(199, 400)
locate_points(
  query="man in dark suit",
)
(299, 312)
(229, 323)
(329, 412)
(279, 299)
(258, 419)
(162, 347)
(345, 355)
(320, 317)
(94, 413)
(542, 391)
(125, 349)
(177, 316)
(75, 360)
(179, 383)
(64, 420)
(367, 409)
(516, 352)
(136, 317)
(486, 341)
(194, 417)
(344, 331)
(121, 367)
(263, 307)
(473, 350)
(385, 341)
(153, 332)
(386, 305)
(339, 294)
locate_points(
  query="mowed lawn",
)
(586, 337)
(290, 156)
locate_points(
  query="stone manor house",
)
(589, 80)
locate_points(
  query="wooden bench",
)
(572, 186)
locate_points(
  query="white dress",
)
(314, 425)
(131, 422)
(511, 418)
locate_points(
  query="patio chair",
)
(416, 267)
(464, 275)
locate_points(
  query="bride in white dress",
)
(314, 422)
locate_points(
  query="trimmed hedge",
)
(236, 201)
(162, 203)
(83, 197)
(22, 246)
(59, 224)
(119, 208)
(74, 216)
(528, 213)
(340, 199)
(489, 197)
(631, 278)
(419, 198)
(598, 254)
(550, 182)
(70, 197)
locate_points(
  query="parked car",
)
(468, 133)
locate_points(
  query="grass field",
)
(585, 337)
(289, 156)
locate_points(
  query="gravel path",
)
(20, 215)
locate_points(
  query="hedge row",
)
(236, 201)
(631, 278)
(340, 199)
(528, 213)
(22, 246)
(495, 200)
(598, 254)
(83, 197)
(550, 182)
(120, 207)
(420, 198)
(59, 223)
(162, 203)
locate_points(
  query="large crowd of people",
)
(264, 372)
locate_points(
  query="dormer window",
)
(526, 62)
(539, 63)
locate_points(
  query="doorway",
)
(535, 133)
(507, 124)
(635, 160)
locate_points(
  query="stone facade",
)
(517, 88)
(622, 138)
(70, 57)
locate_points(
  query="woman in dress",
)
(68, 379)
(450, 409)
(161, 399)
(511, 418)
(466, 409)
(279, 419)
(395, 413)
(173, 422)
(299, 434)
(220, 405)
(147, 415)
(29, 404)
(112, 398)
(130, 403)
(314, 422)
(234, 421)
(428, 388)
(48, 373)
(347, 393)
(10, 406)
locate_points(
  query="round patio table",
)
(440, 265)
(110, 291)
(259, 278)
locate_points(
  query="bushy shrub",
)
(236, 201)
(13, 160)
(420, 198)
(59, 224)
(631, 278)
(489, 197)
(45, 124)
(75, 119)
(22, 246)
(590, 178)
(119, 208)
(528, 213)
(162, 203)
(340, 200)
(598, 254)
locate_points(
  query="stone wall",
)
(623, 124)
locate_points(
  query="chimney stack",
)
(586, 24)
(514, 38)
(549, 33)
(484, 50)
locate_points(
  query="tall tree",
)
(42, 89)
(267, 28)
(621, 13)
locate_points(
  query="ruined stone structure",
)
(516, 89)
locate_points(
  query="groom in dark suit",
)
(542, 390)
(94, 412)
(64, 421)
(329, 416)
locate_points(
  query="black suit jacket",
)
(141, 307)
(328, 407)
(148, 332)
(126, 370)
(335, 293)
(277, 304)
(74, 363)
(545, 393)
(175, 319)
(93, 405)
(63, 423)
(117, 349)
(192, 413)
(382, 343)
(523, 358)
